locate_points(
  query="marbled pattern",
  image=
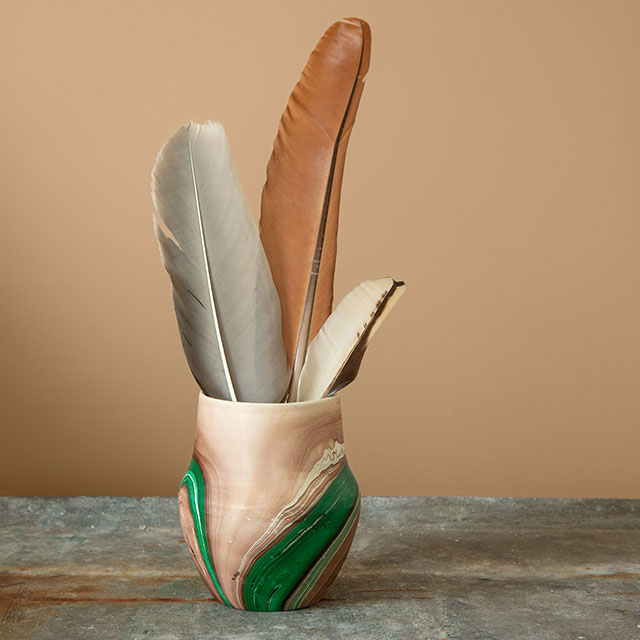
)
(269, 505)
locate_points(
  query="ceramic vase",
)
(269, 505)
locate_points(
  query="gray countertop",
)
(454, 568)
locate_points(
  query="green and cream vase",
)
(269, 505)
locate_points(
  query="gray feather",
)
(226, 304)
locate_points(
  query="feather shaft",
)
(212, 300)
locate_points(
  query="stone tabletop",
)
(424, 568)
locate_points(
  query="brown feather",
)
(301, 197)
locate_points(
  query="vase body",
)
(269, 505)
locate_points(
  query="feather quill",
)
(335, 354)
(226, 304)
(301, 196)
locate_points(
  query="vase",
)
(269, 505)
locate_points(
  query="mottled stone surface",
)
(454, 568)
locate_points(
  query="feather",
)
(334, 355)
(225, 301)
(301, 196)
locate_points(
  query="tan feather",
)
(301, 197)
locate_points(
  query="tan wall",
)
(494, 167)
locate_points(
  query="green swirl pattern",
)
(282, 576)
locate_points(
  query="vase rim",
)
(335, 399)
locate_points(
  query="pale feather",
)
(335, 354)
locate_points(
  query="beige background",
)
(494, 167)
